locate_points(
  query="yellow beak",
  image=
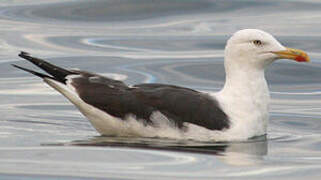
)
(295, 54)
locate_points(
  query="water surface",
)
(178, 42)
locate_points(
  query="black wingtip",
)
(56, 72)
(32, 72)
(24, 55)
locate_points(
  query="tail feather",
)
(58, 73)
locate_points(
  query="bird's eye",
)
(257, 42)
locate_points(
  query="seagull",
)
(239, 111)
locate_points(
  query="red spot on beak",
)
(300, 59)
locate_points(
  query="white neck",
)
(245, 98)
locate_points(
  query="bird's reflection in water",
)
(248, 152)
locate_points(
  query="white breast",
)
(246, 101)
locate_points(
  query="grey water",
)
(181, 42)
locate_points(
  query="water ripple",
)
(44, 137)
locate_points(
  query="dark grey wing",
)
(177, 103)
(116, 98)
(111, 96)
(183, 105)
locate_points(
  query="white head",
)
(252, 48)
(245, 96)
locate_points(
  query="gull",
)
(240, 110)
